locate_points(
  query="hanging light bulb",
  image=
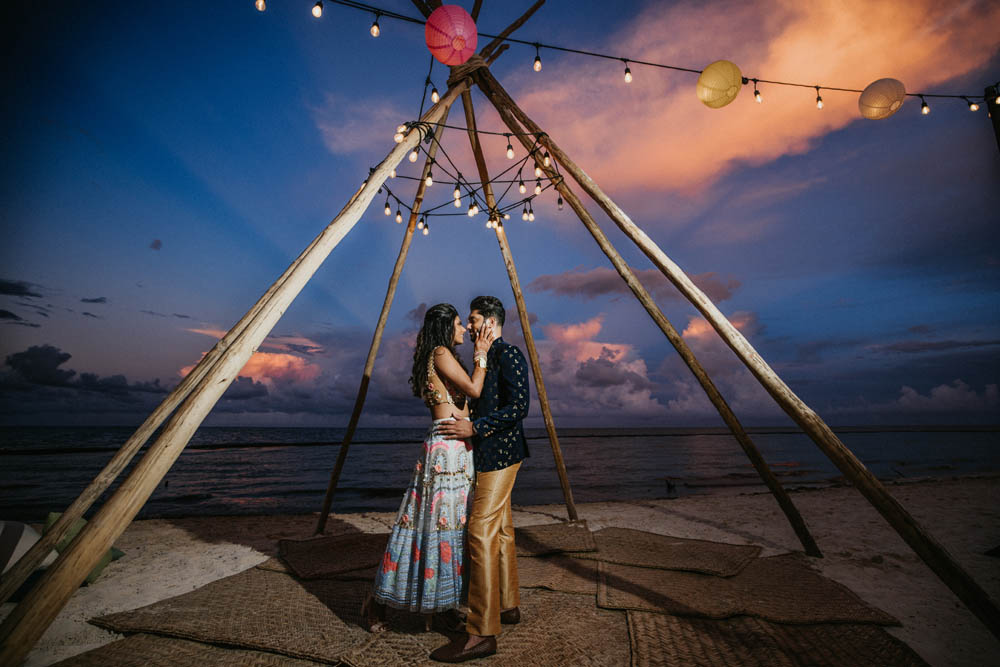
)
(510, 149)
(458, 203)
(427, 229)
(546, 160)
(475, 208)
(559, 203)
(421, 223)
(756, 93)
(375, 30)
(260, 5)
(524, 213)
(435, 95)
(924, 109)
(472, 211)
(388, 211)
(457, 194)
(538, 187)
(392, 174)
(399, 216)
(402, 128)
(429, 181)
(537, 66)
(506, 216)
(628, 72)
(489, 224)
(819, 99)
(520, 187)
(398, 137)
(531, 214)
(414, 155)
(318, 9)
(972, 105)
(538, 170)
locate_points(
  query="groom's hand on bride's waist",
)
(456, 430)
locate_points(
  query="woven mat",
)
(258, 609)
(144, 650)
(552, 538)
(274, 565)
(364, 574)
(555, 629)
(783, 589)
(323, 557)
(659, 640)
(641, 549)
(558, 573)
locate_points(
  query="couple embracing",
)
(453, 537)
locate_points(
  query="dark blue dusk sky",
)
(166, 162)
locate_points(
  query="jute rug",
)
(551, 538)
(783, 589)
(144, 650)
(659, 640)
(364, 574)
(323, 557)
(274, 565)
(641, 549)
(558, 573)
(586, 636)
(259, 609)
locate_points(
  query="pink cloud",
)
(271, 367)
(654, 133)
(299, 344)
(602, 280)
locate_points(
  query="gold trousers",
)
(492, 555)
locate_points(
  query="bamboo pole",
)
(640, 292)
(925, 545)
(390, 294)
(13, 578)
(522, 309)
(26, 623)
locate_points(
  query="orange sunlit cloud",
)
(268, 367)
(578, 340)
(699, 329)
(657, 134)
(281, 343)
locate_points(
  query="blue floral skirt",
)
(423, 568)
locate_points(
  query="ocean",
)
(227, 471)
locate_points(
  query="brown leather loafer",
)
(511, 616)
(455, 651)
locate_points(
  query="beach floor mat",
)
(783, 589)
(278, 565)
(324, 557)
(261, 610)
(626, 546)
(558, 573)
(660, 640)
(144, 650)
(555, 629)
(552, 538)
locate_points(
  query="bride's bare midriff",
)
(446, 410)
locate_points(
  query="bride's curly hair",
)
(438, 329)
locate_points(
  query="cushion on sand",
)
(112, 553)
(15, 540)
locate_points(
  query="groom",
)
(498, 438)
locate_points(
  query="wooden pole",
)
(993, 109)
(522, 309)
(640, 292)
(366, 375)
(26, 622)
(929, 549)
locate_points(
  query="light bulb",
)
(472, 211)
(506, 216)
(524, 213)
(260, 5)
(398, 137)
(318, 9)
(756, 96)
(924, 109)
(435, 96)
(819, 99)
(538, 170)
(521, 188)
(538, 64)
(489, 224)
(458, 203)
(388, 211)
(375, 30)
(402, 128)
(392, 174)
(420, 223)
(457, 194)
(628, 75)
(997, 100)
(559, 202)
(973, 106)
(538, 187)
(399, 216)
(475, 208)
(546, 160)
(427, 230)
(510, 151)
(531, 216)
(413, 155)
(429, 181)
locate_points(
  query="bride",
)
(422, 569)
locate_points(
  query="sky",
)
(165, 163)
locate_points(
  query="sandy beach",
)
(167, 557)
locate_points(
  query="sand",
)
(167, 557)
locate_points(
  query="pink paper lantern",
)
(450, 34)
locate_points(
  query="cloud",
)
(39, 364)
(153, 313)
(300, 344)
(658, 136)
(589, 284)
(11, 318)
(17, 288)
(156, 244)
(98, 299)
(416, 315)
(954, 397)
(182, 316)
(86, 314)
(349, 127)
(269, 368)
(917, 346)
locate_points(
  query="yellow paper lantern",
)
(881, 98)
(719, 84)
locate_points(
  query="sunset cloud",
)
(270, 367)
(599, 281)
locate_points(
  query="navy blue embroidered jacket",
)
(497, 413)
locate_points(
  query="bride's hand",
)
(485, 338)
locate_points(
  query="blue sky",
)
(165, 164)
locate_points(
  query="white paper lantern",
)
(881, 98)
(719, 84)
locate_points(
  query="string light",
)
(427, 229)
(538, 187)
(510, 149)
(421, 223)
(260, 5)
(475, 208)
(819, 99)
(392, 174)
(524, 213)
(398, 137)
(531, 214)
(924, 109)
(457, 194)
(429, 181)
(399, 216)
(506, 216)
(375, 30)
(520, 185)
(537, 66)
(388, 211)
(435, 96)
(458, 203)
(756, 93)
(413, 155)
(972, 105)
(538, 170)
(318, 9)
(559, 202)
(628, 72)
(489, 224)
(546, 160)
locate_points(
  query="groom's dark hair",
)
(488, 306)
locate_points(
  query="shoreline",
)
(165, 557)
